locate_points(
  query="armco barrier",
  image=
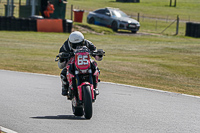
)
(192, 29)
(34, 24)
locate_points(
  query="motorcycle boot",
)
(65, 85)
(69, 94)
(96, 91)
(64, 90)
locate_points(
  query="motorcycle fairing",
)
(82, 61)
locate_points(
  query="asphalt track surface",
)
(32, 103)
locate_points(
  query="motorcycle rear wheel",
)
(77, 111)
(87, 100)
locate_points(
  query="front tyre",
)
(87, 101)
(91, 21)
(134, 32)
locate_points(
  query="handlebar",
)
(63, 55)
(99, 52)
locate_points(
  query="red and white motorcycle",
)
(82, 75)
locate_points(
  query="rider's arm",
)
(64, 49)
(61, 65)
(90, 45)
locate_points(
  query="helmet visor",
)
(75, 45)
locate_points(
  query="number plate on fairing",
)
(82, 60)
(132, 26)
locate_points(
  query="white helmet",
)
(76, 38)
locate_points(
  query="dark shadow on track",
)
(69, 117)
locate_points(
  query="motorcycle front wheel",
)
(87, 101)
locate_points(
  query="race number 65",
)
(82, 60)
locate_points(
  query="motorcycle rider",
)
(75, 39)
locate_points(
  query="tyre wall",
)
(192, 29)
(32, 24)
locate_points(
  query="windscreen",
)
(118, 13)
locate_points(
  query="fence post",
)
(143, 17)
(167, 18)
(138, 17)
(177, 25)
(156, 24)
(72, 12)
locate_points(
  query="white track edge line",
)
(150, 89)
(6, 130)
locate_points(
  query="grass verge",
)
(162, 62)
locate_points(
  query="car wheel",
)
(134, 32)
(91, 21)
(114, 26)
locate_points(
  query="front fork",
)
(79, 85)
(80, 90)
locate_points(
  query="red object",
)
(80, 90)
(78, 15)
(81, 78)
(83, 66)
(49, 25)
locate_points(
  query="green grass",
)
(95, 28)
(162, 62)
(156, 8)
(188, 10)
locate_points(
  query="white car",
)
(113, 18)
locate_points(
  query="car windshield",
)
(118, 13)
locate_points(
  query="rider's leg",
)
(94, 68)
(65, 83)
